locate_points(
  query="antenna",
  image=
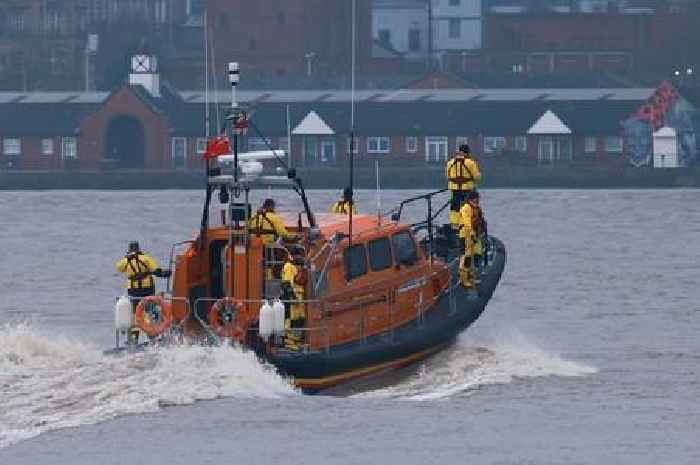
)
(206, 76)
(352, 120)
(379, 194)
(234, 77)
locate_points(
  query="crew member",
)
(469, 219)
(267, 225)
(139, 269)
(345, 204)
(462, 176)
(294, 294)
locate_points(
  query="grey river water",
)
(589, 352)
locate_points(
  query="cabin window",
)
(355, 262)
(405, 249)
(380, 254)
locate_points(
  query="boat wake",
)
(48, 382)
(465, 367)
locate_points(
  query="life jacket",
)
(261, 225)
(342, 206)
(459, 173)
(140, 271)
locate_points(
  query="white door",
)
(545, 155)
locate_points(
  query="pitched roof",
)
(549, 123)
(313, 124)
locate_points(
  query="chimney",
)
(144, 72)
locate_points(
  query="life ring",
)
(223, 318)
(154, 315)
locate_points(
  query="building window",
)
(378, 145)
(435, 149)
(355, 258)
(17, 22)
(52, 21)
(69, 147)
(47, 146)
(384, 36)
(160, 11)
(590, 144)
(454, 2)
(411, 144)
(11, 146)
(613, 144)
(327, 151)
(355, 144)
(414, 40)
(520, 143)
(252, 44)
(494, 144)
(281, 19)
(455, 28)
(201, 144)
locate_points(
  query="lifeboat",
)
(379, 293)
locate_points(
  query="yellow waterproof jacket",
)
(138, 269)
(268, 226)
(343, 207)
(472, 244)
(462, 174)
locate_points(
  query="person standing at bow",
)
(139, 268)
(463, 175)
(345, 204)
(471, 219)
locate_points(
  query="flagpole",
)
(352, 120)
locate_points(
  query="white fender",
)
(266, 321)
(123, 314)
(278, 311)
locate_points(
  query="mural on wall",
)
(664, 108)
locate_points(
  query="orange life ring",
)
(154, 323)
(223, 318)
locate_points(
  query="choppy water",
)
(588, 352)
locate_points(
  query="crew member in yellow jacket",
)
(294, 292)
(463, 175)
(139, 269)
(470, 214)
(345, 204)
(267, 224)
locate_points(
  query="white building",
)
(402, 25)
(457, 25)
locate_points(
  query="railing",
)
(431, 215)
(180, 318)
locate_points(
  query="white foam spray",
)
(49, 382)
(466, 366)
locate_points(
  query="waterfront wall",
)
(391, 178)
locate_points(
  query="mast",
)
(234, 77)
(352, 118)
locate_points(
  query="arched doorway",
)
(125, 143)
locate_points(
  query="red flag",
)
(216, 147)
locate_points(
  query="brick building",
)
(48, 44)
(296, 37)
(146, 124)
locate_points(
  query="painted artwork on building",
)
(664, 108)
